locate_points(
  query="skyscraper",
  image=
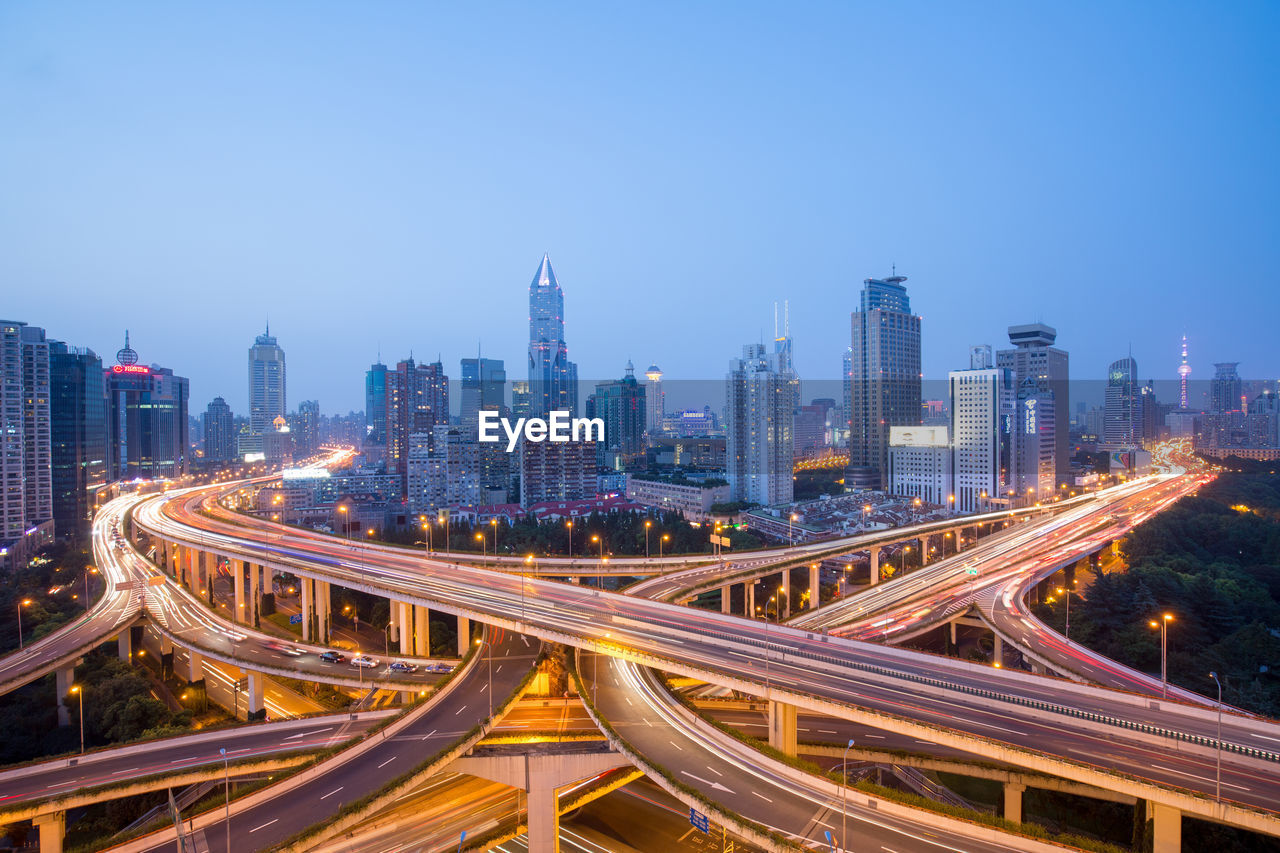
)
(1121, 418)
(375, 405)
(219, 433)
(266, 383)
(26, 489)
(1227, 389)
(620, 403)
(760, 404)
(884, 376)
(981, 411)
(484, 386)
(521, 399)
(304, 424)
(553, 379)
(78, 432)
(1035, 357)
(415, 398)
(146, 419)
(654, 400)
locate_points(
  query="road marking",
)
(1194, 776)
(713, 770)
(460, 710)
(826, 731)
(304, 734)
(265, 825)
(334, 791)
(629, 702)
(388, 761)
(118, 772)
(428, 734)
(673, 743)
(715, 785)
(762, 796)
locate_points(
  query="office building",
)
(884, 376)
(219, 433)
(1226, 392)
(981, 403)
(146, 419)
(266, 383)
(375, 405)
(920, 464)
(1035, 357)
(26, 489)
(553, 379)
(1120, 420)
(621, 405)
(556, 471)
(484, 386)
(414, 399)
(521, 399)
(760, 404)
(78, 435)
(1034, 440)
(655, 400)
(304, 424)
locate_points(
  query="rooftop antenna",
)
(786, 318)
(775, 319)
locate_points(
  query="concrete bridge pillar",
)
(393, 623)
(997, 654)
(749, 598)
(785, 596)
(725, 601)
(324, 615)
(405, 627)
(52, 828)
(421, 631)
(815, 589)
(195, 666)
(308, 608)
(1013, 801)
(924, 551)
(873, 554)
(253, 608)
(253, 695)
(952, 626)
(1167, 835)
(237, 591)
(64, 678)
(205, 576)
(782, 728)
(464, 635)
(124, 645)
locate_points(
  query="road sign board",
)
(722, 541)
(970, 571)
(295, 619)
(699, 820)
(155, 580)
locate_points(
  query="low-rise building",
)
(693, 499)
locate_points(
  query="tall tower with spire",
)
(553, 379)
(1184, 373)
(266, 383)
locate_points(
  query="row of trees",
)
(1213, 562)
(52, 585)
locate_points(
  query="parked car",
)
(363, 661)
(331, 657)
(402, 666)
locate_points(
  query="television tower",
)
(1184, 370)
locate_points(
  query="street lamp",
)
(1067, 592)
(444, 522)
(569, 524)
(226, 792)
(1163, 625)
(88, 570)
(647, 525)
(386, 638)
(791, 538)
(528, 561)
(596, 538)
(1217, 788)
(76, 690)
(844, 797)
(484, 553)
(21, 604)
(346, 530)
(493, 522)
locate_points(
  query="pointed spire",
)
(545, 276)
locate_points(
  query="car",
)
(440, 667)
(363, 661)
(282, 648)
(331, 657)
(402, 666)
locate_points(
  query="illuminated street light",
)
(80, 693)
(1163, 625)
(21, 604)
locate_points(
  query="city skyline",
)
(1020, 217)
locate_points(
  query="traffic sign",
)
(699, 820)
(722, 541)
(295, 619)
(970, 571)
(155, 580)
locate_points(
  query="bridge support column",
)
(405, 627)
(785, 597)
(205, 577)
(421, 631)
(124, 645)
(815, 589)
(464, 635)
(393, 621)
(308, 608)
(725, 601)
(749, 598)
(782, 727)
(237, 591)
(253, 608)
(195, 666)
(64, 678)
(924, 551)
(997, 653)
(544, 814)
(952, 626)
(324, 606)
(52, 828)
(1167, 829)
(873, 554)
(253, 697)
(1013, 801)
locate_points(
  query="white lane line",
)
(388, 761)
(460, 710)
(676, 745)
(713, 770)
(428, 734)
(762, 796)
(1194, 776)
(118, 772)
(304, 734)
(265, 825)
(334, 791)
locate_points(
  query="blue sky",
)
(389, 175)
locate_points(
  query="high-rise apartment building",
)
(304, 425)
(760, 404)
(219, 433)
(1226, 393)
(146, 419)
(655, 400)
(26, 489)
(556, 471)
(521, 399)
(1035, 357)
(621, 404)
(553, 379)
(415, 398)
(444, 470)
(884, 376)
(982, 401)
(78, 434)
(266, 383)
(484, 386)
(1121, 420)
